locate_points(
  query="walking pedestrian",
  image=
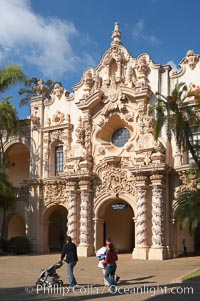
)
(184, 247)
(101, 254)
(111, 266)
(108, 242)
(70, 251)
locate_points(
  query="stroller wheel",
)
(49, 284)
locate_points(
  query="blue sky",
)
(58, 39)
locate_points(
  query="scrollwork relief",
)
(80, 132)
(191, 59)
(115, 101)
(57, 135)
(114, 181)
(55, 193)
(58, 118)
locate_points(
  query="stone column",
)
(141, 248)
(72, 211)
(85, 247)
(158, 251)
(34, 214)
(98, 233)
(44, 245)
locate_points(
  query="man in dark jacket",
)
(70, 250)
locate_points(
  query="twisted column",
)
(141, 222)
(72, 215)
(141, 245)
(71, 188)
(158, 249)
(85, 247)
(85, 218)
(157, 217)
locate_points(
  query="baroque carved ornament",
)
(191, 59)
(148, 150)
(114, 181)
(57, 135)
(55, 193)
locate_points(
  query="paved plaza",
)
(140, 280)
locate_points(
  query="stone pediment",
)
(91, 101)
(191, 60)
(129, 76)
(58, 93)
(118, 73)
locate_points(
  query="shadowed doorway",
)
(118, 224)
(57, 225)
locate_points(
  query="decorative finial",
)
(116, 35)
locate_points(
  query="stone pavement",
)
(140, 280)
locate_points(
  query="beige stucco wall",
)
(117, 93)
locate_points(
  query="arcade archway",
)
(116, 220)
(15, 226)
(54, 225)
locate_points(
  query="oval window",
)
(120, 137)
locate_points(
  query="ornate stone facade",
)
(91, 164)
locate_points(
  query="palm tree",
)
(187, 203)
(179, 117)
(9, 76)
(187, 209)
(8, 124)
(176, 116)
(7, 197)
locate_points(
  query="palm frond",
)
(11, 75)
(187, 209)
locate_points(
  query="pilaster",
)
(98, 228)
(44, 226)
(72, 211)
(141, 247)
(36, 155)
(158, 250)
(85, 247)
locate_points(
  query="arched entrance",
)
(117, 222)
(15, 226)
(17, 158)
(54, 227)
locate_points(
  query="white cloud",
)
(45, 43)
(138, 29)
(139, 33)
(153, 39)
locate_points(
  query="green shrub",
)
(19, 245)
(4, 244)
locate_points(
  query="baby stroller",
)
(49, 277)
